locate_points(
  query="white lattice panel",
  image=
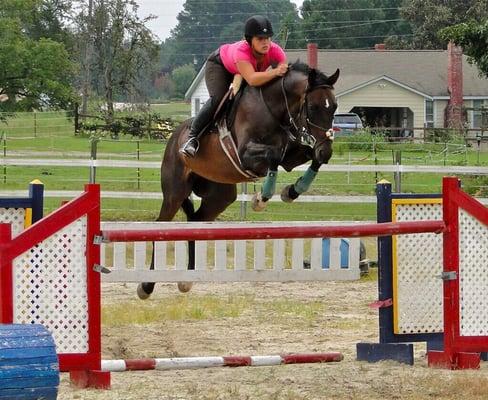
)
(50, 287)
(15, 217)
(473, 279)
(418, 266)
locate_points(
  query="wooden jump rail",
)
(359, 230)
(164, 364)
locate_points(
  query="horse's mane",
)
(316, 77)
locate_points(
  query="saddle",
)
(224, 119)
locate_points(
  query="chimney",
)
(312, 55)
(379, 47)
(454, 111)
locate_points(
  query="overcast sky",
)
(166, 11)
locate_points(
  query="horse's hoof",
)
(143, 295)
(257, 202)
(285, 194)
(185, 287)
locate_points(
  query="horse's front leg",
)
(291, 192)
(255, 156)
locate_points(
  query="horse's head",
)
(320, 106)
(315, 104)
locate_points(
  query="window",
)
(477, 114)
(197, 105)
(429, 114)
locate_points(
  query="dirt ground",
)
(347, 319)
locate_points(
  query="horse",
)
(286, 122)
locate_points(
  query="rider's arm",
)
(254, 78)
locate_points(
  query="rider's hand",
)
(281, 69)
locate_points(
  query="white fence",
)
(278, 260)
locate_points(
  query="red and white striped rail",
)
(163, 364)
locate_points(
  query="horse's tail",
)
(188, 208)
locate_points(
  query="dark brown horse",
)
(286, 122)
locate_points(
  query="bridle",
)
(303, 133)
(329, 132)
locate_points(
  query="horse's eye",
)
(327, 105)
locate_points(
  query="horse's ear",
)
(331, 80)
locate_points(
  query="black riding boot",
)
(198, 126)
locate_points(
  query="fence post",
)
(35, 123)
(76, 112)
(149, 126)
(397, 160)
(375, 160)
(138, 169)
(4, 140)
(93, 157)
(243, 210)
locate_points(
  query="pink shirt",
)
(232, 53)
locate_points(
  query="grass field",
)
(51, 135)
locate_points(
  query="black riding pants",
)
(218, 80)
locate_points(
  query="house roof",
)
(423, 71)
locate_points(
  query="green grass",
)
(181, 307)
(38, 125)
(177, 111)
(61, 143)
(205, 307)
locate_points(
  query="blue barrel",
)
(29, 366)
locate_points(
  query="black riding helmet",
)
(257, 25)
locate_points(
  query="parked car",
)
(346, 123)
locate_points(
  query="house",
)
(395, 88)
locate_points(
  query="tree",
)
(124, 50)
(35, 72)
(428, 17)
(203, 26)
(339, 24)
(182, 78)
(473, 37)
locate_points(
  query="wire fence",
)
(50, 138)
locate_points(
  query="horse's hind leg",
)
(172, 201)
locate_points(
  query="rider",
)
(250, 58)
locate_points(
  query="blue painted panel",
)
(29, 367)
(343, 249)
(46, 393)
(374, 352)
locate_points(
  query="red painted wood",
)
(6, 306)
(90, 379)
(450, 263)
(284, 232)
(311, 358)
(93, 280)
(140, 364)
(237, 361)
(52, 223)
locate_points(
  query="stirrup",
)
(189, 148)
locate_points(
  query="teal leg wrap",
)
(303, 183)
(269, 184)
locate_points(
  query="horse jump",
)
(72, 230)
